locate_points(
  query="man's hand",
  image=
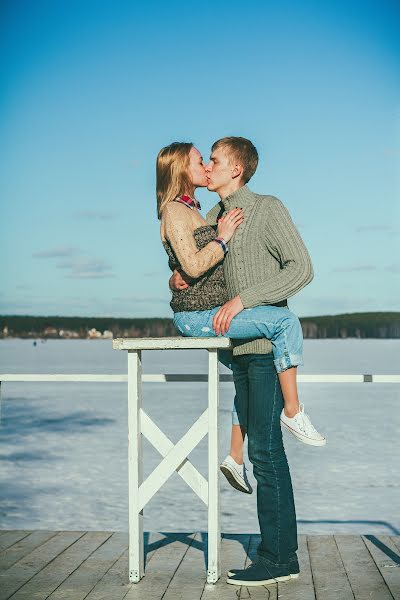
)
(179, 281)
(222, 319)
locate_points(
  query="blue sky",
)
(91, 90)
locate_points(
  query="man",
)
(267, 262)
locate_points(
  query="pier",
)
(74, 565)
(89, 565)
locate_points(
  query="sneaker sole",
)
(303, 438)
(261, 582)
(230, 475)
(233, 573)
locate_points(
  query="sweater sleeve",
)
(283, 241)
(178, 230)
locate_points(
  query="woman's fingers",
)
(233, 213)
(237, 221)
(219, 322)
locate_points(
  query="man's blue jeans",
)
(259, 403)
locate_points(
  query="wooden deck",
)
(78, 565)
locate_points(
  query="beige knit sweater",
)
(178, 222)
(187, 239)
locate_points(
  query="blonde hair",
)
(173, 179)
(242, 150)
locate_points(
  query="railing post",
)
(135, 466)
(214, 533)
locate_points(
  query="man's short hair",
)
(241, 150)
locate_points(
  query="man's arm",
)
(285, 244)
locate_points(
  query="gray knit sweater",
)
(267, 260)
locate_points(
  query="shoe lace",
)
(304, 424)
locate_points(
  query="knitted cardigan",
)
(267, 260)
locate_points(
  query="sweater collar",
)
(241, 198)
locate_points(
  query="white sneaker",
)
(236, 475)
(302, 428)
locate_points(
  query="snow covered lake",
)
(63, 446)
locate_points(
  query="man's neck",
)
(229, 189)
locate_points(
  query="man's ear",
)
(237, 171)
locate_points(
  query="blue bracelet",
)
(222, 243)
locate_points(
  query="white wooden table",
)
(174, 456)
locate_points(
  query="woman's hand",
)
(179, 281)
(228, 224)
(222, 319)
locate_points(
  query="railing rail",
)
(181, 377)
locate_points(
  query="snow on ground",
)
(63, 447)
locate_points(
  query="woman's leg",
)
(237, 443)
(288, 382)
(283, 328)
(278, 324)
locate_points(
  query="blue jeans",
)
(277, 324)
(259, 403)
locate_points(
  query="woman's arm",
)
(178, 230)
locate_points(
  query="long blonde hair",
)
(173, 179)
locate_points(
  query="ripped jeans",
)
(275, 323)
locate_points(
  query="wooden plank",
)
(11, 555)
(303, 587)
(9, 538)
(174, 377)
(190, 577)
(172, 460)
(386, 378)
(214, 530)
(187, 377)
(135, 467)
(386, 556)
(115, 583)
(22, 571)
(234, 549)
(163, 445)
(78, 585)
(161, 568)
(331, 378)
(329, 575)
(52, 575)
(395, 539)
(64, 377)
(170, 343)
(365, 579)
(262, 592)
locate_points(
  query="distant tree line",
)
(50, 327)
(356, 325)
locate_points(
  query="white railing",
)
(180, 377)
(175, 456)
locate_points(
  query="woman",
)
(196, 248)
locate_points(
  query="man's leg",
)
(255, 376)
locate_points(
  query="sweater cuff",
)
(247, 299)
(222, 243)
